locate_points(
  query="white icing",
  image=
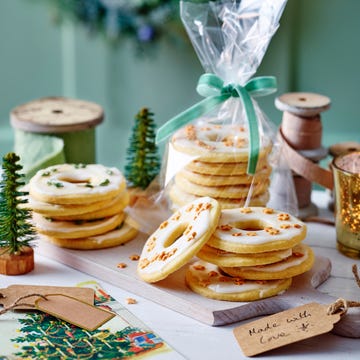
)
(279, 266)
(231, 139)
(213, 136)
(69, 227)
(282, 254)
(236, 218)
(227, 288)
(73, 179)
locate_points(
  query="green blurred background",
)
(316, 49)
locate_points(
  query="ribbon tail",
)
(254, 138)
(188, 115)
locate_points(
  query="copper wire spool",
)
(301, 128)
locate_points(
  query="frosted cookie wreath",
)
(214, 143)
(76, 183)
(177, 239)
(212, 160)
(241, 242)
(81, 206)
(257, 229)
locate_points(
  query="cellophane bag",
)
(224, 146)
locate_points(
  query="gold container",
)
(346, 171)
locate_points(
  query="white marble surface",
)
(195, 340)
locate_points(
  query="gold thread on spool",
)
(301, 128)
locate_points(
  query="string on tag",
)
(356, 274)
(341, 306)
(17, 303)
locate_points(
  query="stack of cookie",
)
(80, 206)
(216, 158)
(245, 253)
(258, 248)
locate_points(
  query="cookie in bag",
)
(219, 166)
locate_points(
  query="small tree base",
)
(11, 264)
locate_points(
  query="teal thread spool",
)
(54, 130)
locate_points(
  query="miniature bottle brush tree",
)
(16, 231)
(143, 162)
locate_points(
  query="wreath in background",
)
(143, 21)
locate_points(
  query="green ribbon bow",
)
(212, 87)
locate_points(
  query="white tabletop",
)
(195, 340)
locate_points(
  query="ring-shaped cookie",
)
(76, 229)
(114, 206)
(180, 198)
(257, 229)
(230, 191)
(76, 183)
(217, 143)
(178, 239)
(221, 168)
(224, 258)
(207, 280)
(301, 260)
(225, 180)
(121, 235)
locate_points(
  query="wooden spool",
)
(63, 119)
(301, 128)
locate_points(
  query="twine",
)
(341, 305)
(17, 303)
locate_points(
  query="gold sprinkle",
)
(246, 210)
(199, 267)
(213, 273)
(268, 211)
(283, 217)
(164, 225)
(131, 301)
(176, 216)
(192, 236)
(121, 265)
(188, 229)
(204, 283)
(190, 132)
(297, 226)
(151, 244)
(239, 281)
(225, 227)
(204, 145)
(271, 230)
(236, 234)
(297, 254)
(251, 233)
(134, 257)
(285, 226)
(144, 263)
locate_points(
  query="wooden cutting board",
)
(174, 294)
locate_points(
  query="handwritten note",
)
(284, 328)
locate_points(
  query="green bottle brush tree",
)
(16, 231)
(143, 162)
